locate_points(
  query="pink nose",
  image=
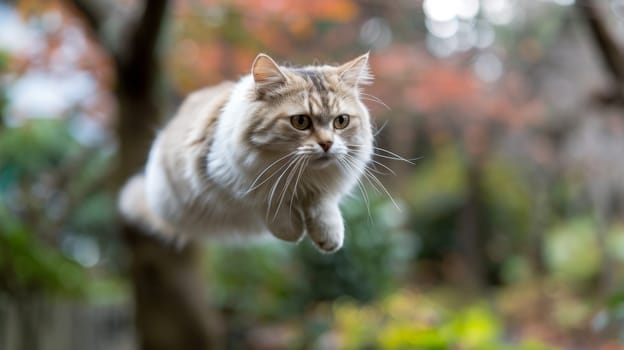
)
(326, 145)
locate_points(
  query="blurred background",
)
(506, 232)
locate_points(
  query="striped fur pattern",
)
(274, 152)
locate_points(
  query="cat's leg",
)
(286, 224)
(324, 224)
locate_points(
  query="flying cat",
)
(275, 151)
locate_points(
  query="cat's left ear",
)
(267, 74)
(356, 72)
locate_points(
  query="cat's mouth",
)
(323, 160)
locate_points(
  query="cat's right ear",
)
(356, 72)
(266, 74)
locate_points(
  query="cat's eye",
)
(341, 121)
(301, 121)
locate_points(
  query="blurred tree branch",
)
(89, 14)
(92, 13)
(612, 56)
(609, 50)
(134, 59)
(138, 64)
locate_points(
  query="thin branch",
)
(139, 62)
(89, 13)
(94, 17)
(135, 60)
(610, 52)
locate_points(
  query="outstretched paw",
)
(325, 226)
(330, 244)
(327, 235)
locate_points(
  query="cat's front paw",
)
(325, 226)
(327, 236)
(329, 242)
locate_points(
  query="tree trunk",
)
(601, 198)
(539, 221)
(170, 298)
(472, 228)
(611, 54)
(171, 308)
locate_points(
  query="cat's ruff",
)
(274, 152)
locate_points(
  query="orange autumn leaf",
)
(336, 10)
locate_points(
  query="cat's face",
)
(311, 113)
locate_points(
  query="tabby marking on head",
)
(275, 151)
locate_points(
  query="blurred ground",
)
(510, 232)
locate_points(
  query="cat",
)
(275, 151)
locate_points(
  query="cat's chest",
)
(220, 211)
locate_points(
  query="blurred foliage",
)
(4, 60)
(572, 251)
(457, 108)
(438, 192)
(374, 255)
(409, 320)
(49, 192)
(29, 150)
(271, 280)
(256, 281)
(28, 266)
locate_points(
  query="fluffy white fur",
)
(231, 162)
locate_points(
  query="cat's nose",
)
(325, 145)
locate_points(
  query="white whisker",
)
(383, 166)
(376, 183)
(390, 155)
(275, 187)
(292, 173)
(294, 191)
(383, 188)
(253, 186)
(373, 98)
(361, 187)
(380, 129)
(387, 154)
(409, 161)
